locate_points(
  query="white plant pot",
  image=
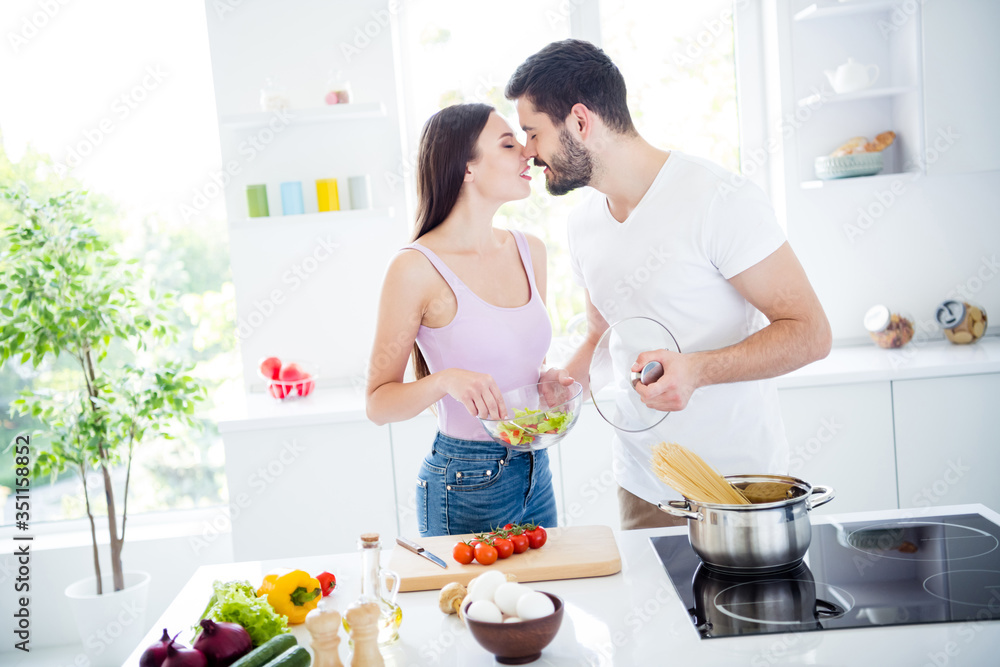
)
(112, 624)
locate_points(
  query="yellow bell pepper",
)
(292, 593)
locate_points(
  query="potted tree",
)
(66, 295)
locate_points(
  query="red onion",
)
(184, 657)
(222, 643)
(156, 653)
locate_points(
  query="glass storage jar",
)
(888, 329)
(338, 90)
(272, 96)
(962, 321)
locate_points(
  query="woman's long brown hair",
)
(447, 145)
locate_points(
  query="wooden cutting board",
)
(569, 553)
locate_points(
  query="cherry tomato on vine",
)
(536, 537)
(463, 552)
(520, 543)
(504, 547)
(485, 554)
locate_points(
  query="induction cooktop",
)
(855, 575)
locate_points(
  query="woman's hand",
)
(478, 392)
(552, 386)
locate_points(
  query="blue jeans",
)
(471, 486)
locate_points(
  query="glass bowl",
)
(539, 416)
(286, 389)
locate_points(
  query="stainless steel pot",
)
(758, 538)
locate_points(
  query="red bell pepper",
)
(327, 582)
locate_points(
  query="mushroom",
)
(450, 600)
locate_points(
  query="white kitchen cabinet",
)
(961, 85)
(590, 492)
(411, 442)
(947, 442)
(841, 436)
(308, 490)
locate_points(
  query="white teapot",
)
(852, 76)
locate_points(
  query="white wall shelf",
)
(868, 181)
(825, 10)
(329, 114)
(284, 265)
(870, 93)
(332, 217)
(824, 119)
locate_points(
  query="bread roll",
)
(855, 145)
(881, 142)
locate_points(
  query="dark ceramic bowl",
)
(517, 643)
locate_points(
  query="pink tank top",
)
(508, 343)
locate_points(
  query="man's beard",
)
(572, 168)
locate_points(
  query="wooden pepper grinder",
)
(324, 627)
(363, 620)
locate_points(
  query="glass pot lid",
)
(611, 367)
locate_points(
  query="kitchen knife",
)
(410, 545)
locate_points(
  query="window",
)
(139, 133)
(459, 52)
(677, 60)
(676, 57)
(148, 170)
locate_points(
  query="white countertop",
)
(325, 405)
(859, 363)
(631, 618)
(919, 359)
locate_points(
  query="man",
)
(666, 236)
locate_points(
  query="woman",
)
(469, 300)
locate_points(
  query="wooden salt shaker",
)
(324, 627)
(363, 620)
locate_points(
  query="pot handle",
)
(680, 508)
(820, 495)
(828, 610)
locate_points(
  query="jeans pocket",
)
(464, 475)
(422, 505)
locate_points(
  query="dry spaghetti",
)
(689, 474)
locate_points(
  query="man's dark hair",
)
(569, 72)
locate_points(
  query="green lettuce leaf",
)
(528, 423)
(237, 602)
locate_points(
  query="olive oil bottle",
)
(374, 590)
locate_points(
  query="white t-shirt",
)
(671, 261)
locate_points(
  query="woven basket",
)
(845, 166)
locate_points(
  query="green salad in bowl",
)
(538, 415)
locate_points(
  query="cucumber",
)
(293, 657)
(263, 654)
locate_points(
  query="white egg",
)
(485, 611)
(512, 619)
(534, 605)
(507, 595)
(485, 585)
